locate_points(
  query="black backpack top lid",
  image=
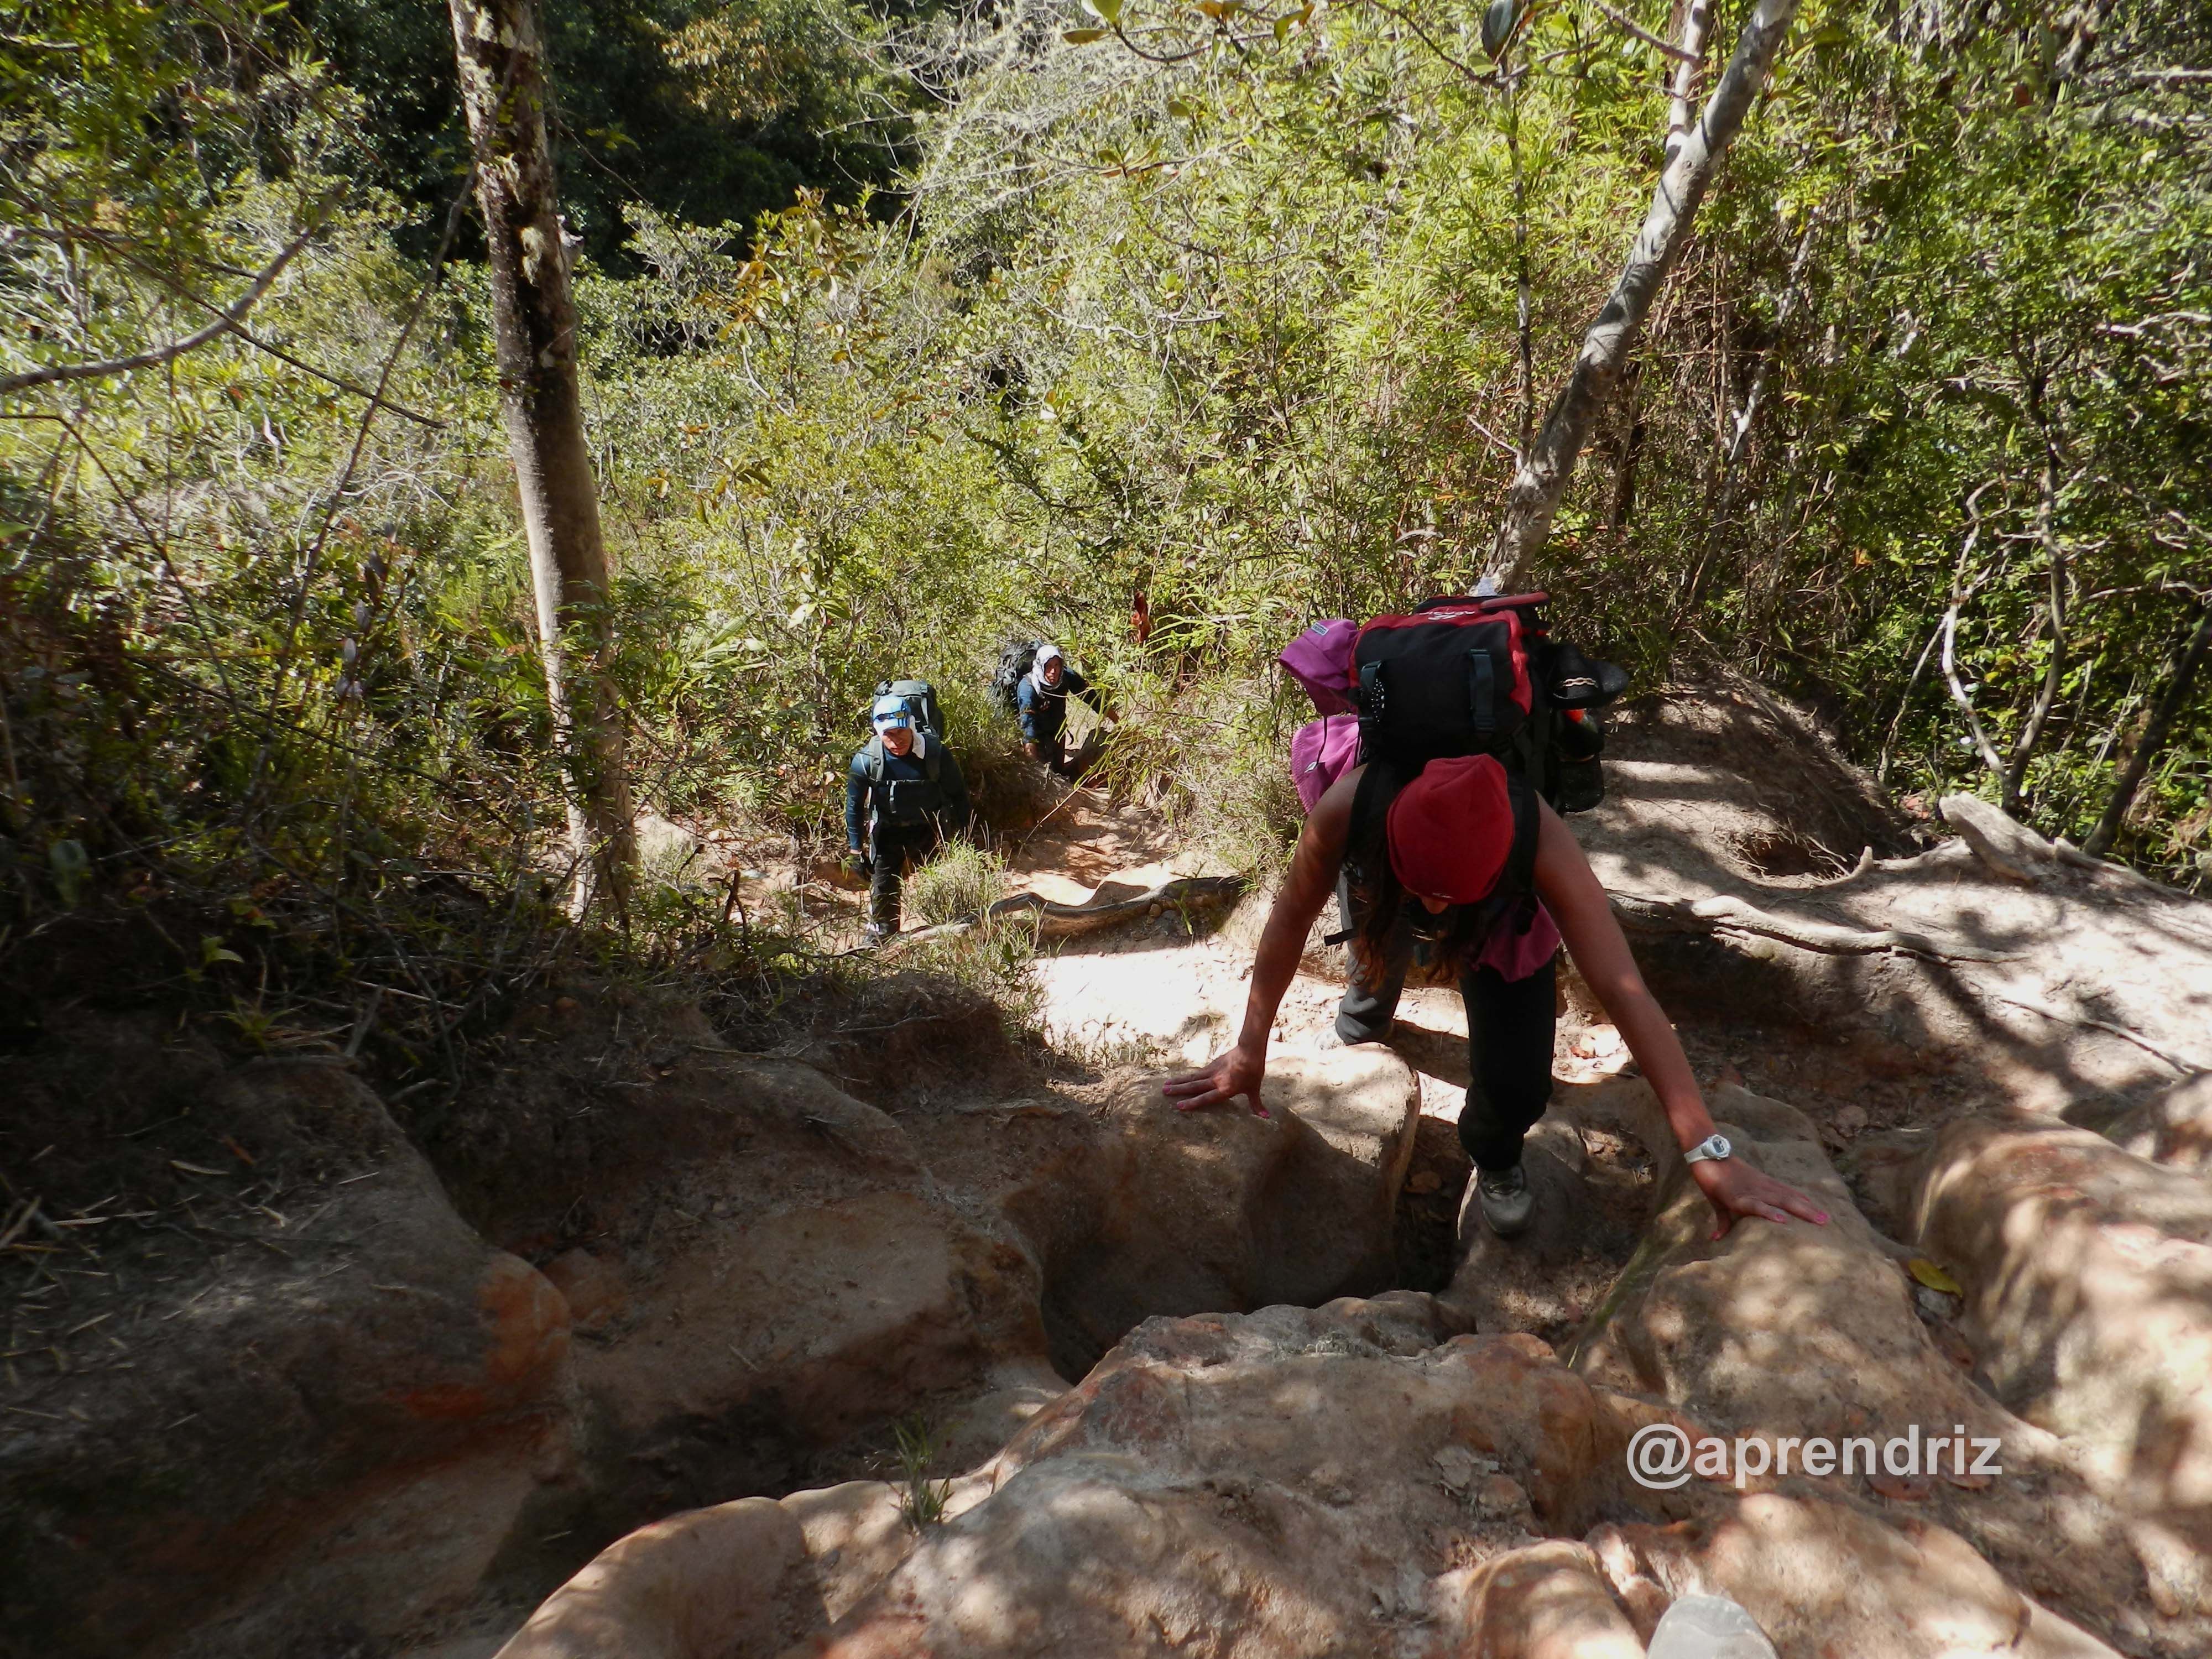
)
(1454, 679)
(1525, 602)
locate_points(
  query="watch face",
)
(1717, 1146)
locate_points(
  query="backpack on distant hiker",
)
(1016, 659)
(909, 801)
(1457, 676)
(920, 697)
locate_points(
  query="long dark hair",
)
(1379, 898)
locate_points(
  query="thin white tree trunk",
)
(1682, 99)
(1541, 478)
(502, 59)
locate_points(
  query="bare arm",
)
(1305, 888)
(1571, 890)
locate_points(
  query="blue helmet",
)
(890, 711)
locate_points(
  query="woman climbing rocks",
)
(1464, 864)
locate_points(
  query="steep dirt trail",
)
(1980, 1255)
(655, 1275)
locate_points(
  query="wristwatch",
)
(1714, 1145)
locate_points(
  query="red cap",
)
(1450, 829)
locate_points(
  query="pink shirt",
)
(1322, 751)
(1516, 956)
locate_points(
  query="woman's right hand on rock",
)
(1239, 1072)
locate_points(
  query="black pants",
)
(1053, 752)
(1508, 1037)
(895, 851)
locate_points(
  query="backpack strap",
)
(1371, 806)
(1520, 870)
(1482, 692)
(933, 765)
(1372, 699)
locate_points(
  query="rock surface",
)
(2172, 1128)
(1348, 1479)
(327, 1438)
(1800, 1331)
(1167, 1212)
(2087, 1272)
(1731, 838)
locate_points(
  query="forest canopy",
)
(903, 332)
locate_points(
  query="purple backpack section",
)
(1320, 659)
(1322, 751)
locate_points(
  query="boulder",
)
(747, 1577)
(2088, 1273)
(327, 1425)
(795, 1280)
(1270, 1484)
(1801, 1331)
(1547, 1601)
(1340, 1480)
(815, 1319)
(2172, 1128)
(1826, 1577)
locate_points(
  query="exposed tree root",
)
(1722, 914)
(1057, 920)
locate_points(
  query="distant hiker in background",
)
(1041, 705)
(1447, 861)
(905, 795)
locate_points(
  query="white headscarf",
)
(1045, 654)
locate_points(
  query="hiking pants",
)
(1508, 1037)
(895, 851)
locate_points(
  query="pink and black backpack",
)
(1456, 676)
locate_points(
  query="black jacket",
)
(922, 788)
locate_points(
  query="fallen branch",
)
(1722, 914)
(1057, 920)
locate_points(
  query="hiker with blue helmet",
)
(904, 793)
(1041, 705)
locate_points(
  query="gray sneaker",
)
(1506, 1200)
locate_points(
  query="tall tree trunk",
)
(501, 58)
(1542, 477)
(2171, 703)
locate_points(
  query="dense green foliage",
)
(1210, 312)
(715, 112)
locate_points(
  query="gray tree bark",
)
(1697, 17)
(2171, 702)
(1541, 478)
(502, 59)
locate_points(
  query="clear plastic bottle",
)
(1709, 1628)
